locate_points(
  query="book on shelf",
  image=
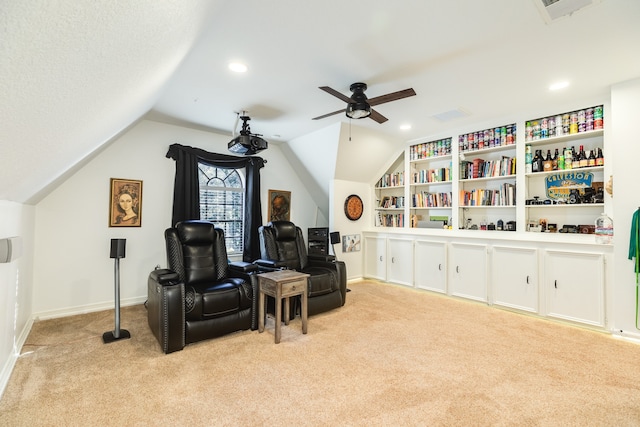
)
(479, 168)
(432, 175)
(389, 202)
(391, 180)
(390, 220)
(504, 196)
(431, 200)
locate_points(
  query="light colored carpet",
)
(390, 356)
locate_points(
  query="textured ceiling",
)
(73, 74)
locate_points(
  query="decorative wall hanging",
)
(351, 243)
(279, 205)
(125, 203)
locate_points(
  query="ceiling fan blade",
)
(335, 93)
(391, 97)
(329, 114)
(377, 116)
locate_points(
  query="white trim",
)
(71, 311)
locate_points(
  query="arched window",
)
(222, 202)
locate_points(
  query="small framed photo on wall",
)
(351, 243)
(125, 203)
(279, 205)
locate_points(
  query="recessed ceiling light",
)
(237, 67)
(559, 85)
(405, 126)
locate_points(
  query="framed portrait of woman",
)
(125, 203)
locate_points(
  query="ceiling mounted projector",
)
(247, 143)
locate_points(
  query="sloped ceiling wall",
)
(73, 77)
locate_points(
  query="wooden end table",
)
(282, 284)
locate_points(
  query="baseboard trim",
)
(7, 369)
(90, 308)
(633, 337)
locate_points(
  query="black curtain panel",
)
(186, 191)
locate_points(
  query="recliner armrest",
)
(164, 276)
(270, 263)
(317, 257)
(245, 267)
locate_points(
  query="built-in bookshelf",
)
(475, 183)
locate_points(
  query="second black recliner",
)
(282, 246)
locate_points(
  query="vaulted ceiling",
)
(73, 75)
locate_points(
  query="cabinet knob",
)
(527, 280)
(555, 284)
(440, 267)
(457, 269)
(380, 257)
(393, 260)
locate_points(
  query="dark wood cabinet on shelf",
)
(318, 241)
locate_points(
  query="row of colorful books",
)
(431, 200)
(505, 196)
(479, 168)
(432, 175)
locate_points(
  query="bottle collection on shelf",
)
(568, 159)
(427, 150)
(488, 138)
(570, 123)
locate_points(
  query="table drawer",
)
(295, 287)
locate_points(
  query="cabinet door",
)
(574, 286)
(375, 254)
(400, 261)
(468, 271)
(515, 278)
(430, 265)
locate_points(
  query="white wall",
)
(16, 280)
(73, 271)
(339, 222)
(625, 150)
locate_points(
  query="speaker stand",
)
(117, 334)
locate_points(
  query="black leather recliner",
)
(282, 246)
(217, 297)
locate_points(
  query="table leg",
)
(278, 313)
(304, 310)
(286, 310)
(261, 313)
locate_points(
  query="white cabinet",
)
(574, 286)
(400, 261)
(514, 278)
(375, 257)
(468, 269)
(389, 259)
(430, 265)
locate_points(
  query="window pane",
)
(222, 202)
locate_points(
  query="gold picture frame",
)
(125, 203)
(279, 205)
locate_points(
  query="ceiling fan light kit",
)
(359, 106)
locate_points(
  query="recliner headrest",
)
(194, 231)
(285, 230)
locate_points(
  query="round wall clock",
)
(353, 207)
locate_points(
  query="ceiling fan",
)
(359, 107)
